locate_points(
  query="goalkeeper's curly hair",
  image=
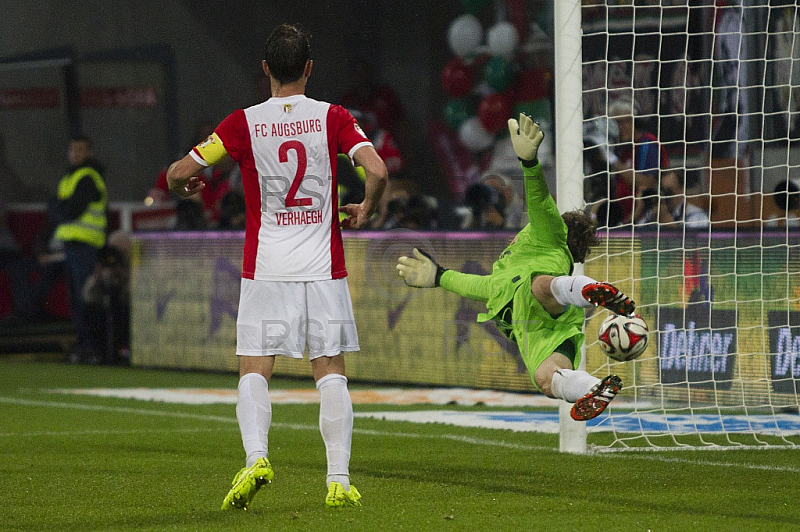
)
(581, 234)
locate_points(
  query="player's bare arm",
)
(182, 177)
(376, 178)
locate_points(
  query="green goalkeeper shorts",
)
(538, 334)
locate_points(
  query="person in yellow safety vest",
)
(80, 208)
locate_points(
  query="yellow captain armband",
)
(211, 150)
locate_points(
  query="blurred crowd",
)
(629, 179)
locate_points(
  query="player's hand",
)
(190, 188)
(357, 216)
(525, 137)
(419, 271)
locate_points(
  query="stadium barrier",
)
(727, 328)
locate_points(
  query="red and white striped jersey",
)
(286, 149)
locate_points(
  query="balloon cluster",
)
(483, 81)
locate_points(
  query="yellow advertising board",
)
(186, 290)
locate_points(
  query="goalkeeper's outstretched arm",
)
(420, 271)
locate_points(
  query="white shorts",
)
(290, 318)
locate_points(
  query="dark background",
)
(211, 52)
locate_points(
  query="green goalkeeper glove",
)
(526, 138)
(420, 272)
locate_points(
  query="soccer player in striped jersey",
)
(294, 296)
(531, 293)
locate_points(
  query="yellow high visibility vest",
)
(90, 226)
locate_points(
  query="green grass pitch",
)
(85, 463)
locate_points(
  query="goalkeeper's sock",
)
(336, 426)
(254, 413)
(567, 290)
(570, 385)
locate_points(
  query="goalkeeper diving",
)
(531, 293)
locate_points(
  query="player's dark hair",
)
(287, 50)
(581, 234)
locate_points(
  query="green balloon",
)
(499, 73)
(456, 111)
(475, 7)
(537, 109)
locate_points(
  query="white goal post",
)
(701, 215)
(569, 157)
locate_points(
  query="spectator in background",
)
(30, 279)
(350, 181)
(639, 154)
(160, 192)
(387, 216)
(369, 95)
(419, 213)
(598, 134)
(487, 208)
(33, 278)
(81, 216)
(189, 216)
(208, 201)
(414, 211)
(382, 139)
(391, 205)
(608, 214)
(107, 298)
(232, 212)
(514, 216)
(786, 197)
(670, 208)
(392, 215)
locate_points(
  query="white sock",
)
(254, 412)
(336, 426)
(567, 290)
(570, 385)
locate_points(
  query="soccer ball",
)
(623, 338)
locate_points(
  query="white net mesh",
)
(690, 161)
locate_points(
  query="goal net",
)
(691, 123)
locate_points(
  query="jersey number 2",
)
(302, 162)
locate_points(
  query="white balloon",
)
(465, 34)
(473, 136)
(502, 39)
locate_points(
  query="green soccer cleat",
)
(246, 483)
(338, 498)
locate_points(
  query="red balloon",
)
(533, 84)
(456, 78)
(494, 111)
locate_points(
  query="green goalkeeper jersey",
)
(539, 248)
